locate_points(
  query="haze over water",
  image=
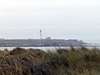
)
(67, 19)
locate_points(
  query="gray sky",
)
(75, 19)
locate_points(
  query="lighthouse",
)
(40, 37)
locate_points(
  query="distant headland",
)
(47, 42)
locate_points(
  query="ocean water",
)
(42, 48)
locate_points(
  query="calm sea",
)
(42, 48)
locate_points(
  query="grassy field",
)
(75, 61)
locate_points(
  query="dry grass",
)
(80, 61)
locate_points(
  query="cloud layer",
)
(57, 18)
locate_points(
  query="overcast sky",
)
(75, 19)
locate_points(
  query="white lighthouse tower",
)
(40, 37)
